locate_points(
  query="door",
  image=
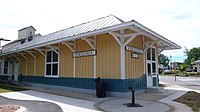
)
(151, 68)
(149, 75)
(16, 71)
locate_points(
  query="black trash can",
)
(100, 88)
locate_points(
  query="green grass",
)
(8, 88)
(191, 99)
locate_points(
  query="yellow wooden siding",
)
(40, 64)
(134, 67)
(22, 68)
(84, 65)
(108, 57)
(30, 65)
(66, 62)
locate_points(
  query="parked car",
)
(188, 70)
(191, 70)
(167, 72)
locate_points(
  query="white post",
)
(74, 60)
(26, 67)
(157, 76)
(95, 59)
(144, 57)
(35, 64)
(122, 56)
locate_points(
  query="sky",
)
(177, 20)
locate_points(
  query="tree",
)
(183, 67)
(192, 55)
(164, 60)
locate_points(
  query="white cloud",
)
(177, 20)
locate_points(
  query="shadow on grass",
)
(9, 88)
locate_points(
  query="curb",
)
(98, 104)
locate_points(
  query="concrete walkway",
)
(31, 106)
(118, 105)
(67, 104)
(177, 91)
(72, 101)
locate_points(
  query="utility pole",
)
(170, 64)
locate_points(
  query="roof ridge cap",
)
(83, 23)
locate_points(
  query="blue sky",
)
(177, 20)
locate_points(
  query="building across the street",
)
(174, 65)
(197, 63)
(122, 53)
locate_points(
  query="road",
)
(188, 82)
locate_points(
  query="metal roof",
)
(196, 62)
(97, 24)
(85, 29)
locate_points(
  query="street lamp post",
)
(170, 67)
(2, 39)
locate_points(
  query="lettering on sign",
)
(133, 55)
(134, 49)
(84, 54)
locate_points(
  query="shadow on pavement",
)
(32, 106)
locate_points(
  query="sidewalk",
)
(67, 104)
(74, 101)
(151, 102)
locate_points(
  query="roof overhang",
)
(196, 62)
(123, 25)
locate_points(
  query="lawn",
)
(9, 88)
(191, 99)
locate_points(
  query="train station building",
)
(122, 53)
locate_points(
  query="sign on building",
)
(134, 49)
(84, 54)
(133, 55)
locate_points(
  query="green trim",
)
(117, 85)
(4, 77)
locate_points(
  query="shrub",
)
(182, 67)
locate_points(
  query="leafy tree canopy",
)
(192, 55)
(164, 60)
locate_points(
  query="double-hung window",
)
(5, 71)
(52, 63)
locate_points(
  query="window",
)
(5, 71)
(153, 54)
(149, 69)
(30, 33)
(149, 54)
(51, 63)
(153, 67)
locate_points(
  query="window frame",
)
(151, 61)
(6, 67)
(51, 63)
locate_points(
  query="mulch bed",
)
(191, 99)
(9, 108)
